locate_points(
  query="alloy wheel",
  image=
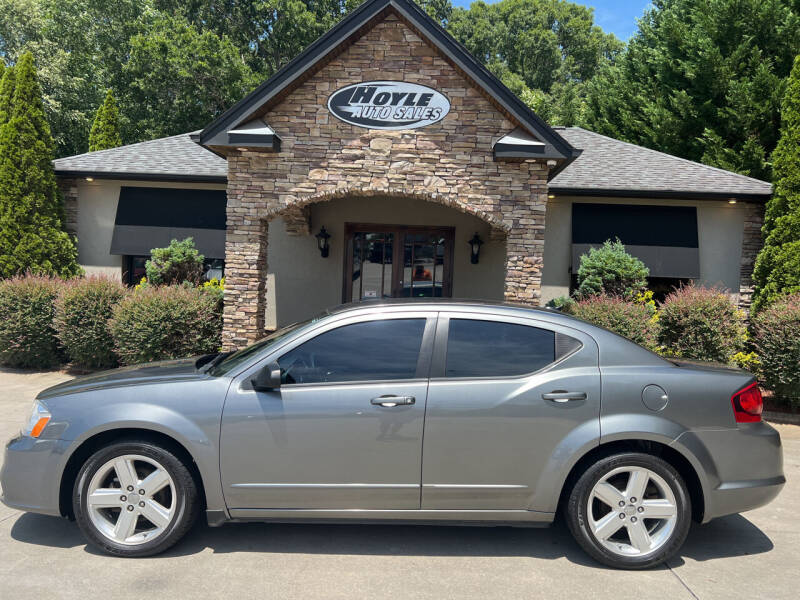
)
(632, 511)
(131, 499)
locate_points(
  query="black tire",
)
(577, 506)
(186, 498)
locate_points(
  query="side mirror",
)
(267, 379)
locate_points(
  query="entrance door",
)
(393, 261)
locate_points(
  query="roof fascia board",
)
(186, 178)
(657, 194)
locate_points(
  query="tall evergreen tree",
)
(6, 93)
(777, 268)
(702, 80)
(105, 129)
(32, 236)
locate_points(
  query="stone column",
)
(69, 193)
(751, 244)
(525, 212)
(245, 281)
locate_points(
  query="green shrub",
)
(83, 309)
(610, 270)
(700, 323)
(177, 263)
(27, 335)
(563, 303)
(629, 319)
(776, 339)
(158, 323)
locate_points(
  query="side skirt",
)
(488, 518)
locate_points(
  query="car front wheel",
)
(134, 498)
(630, 511)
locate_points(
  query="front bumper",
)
(31, 474)
(742, 467)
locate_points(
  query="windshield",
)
(245, 354)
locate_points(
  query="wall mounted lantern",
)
(475, 245)
(322, 242)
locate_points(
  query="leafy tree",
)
(777, 268)
(32, 236)
(81, 47)
(105, 129)
(438, 10)
(178, 78)
(702, 80)
(544, 51)
(267, 33)
(177, 263)
(611, 271)
(6, 92)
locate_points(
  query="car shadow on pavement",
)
(725, 537)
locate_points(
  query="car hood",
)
(156, 372)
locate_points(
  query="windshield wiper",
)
(204, 365)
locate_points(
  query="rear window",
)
(495, 349)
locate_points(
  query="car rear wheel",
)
(630, 511)
(134, 498)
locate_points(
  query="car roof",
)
(444, 304)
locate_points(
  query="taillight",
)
(748, 404)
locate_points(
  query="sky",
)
(613, 16)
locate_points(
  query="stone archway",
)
(520, 223)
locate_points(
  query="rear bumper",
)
(742, 467)
(31, 475)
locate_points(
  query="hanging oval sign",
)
(388, 105)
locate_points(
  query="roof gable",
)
(353, 27)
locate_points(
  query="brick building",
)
(428, 175)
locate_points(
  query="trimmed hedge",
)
(27, 335)
(776, 339)
(631, 320)
(700, 323)
(160, 323)
(83, 309)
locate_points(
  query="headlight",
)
(39, 418)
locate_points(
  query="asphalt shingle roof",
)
(606, 165)
(176, 157)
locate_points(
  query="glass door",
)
(392, 261)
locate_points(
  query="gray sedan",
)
(436, 412)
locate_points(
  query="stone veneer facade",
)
(69, 194)
(322, 158)
(751, 244)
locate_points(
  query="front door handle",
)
(563, 396)
(392, 401)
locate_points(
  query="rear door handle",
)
(563, 396)
(392, 401)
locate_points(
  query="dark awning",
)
(150, 218)
(664, 238)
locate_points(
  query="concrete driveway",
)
(756, 555)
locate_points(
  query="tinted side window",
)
(495, 349)
(369, 351)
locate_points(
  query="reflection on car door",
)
(345, 428)
(503, 393)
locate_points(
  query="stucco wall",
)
(720, 228)
(302, 283)
(97, 209)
